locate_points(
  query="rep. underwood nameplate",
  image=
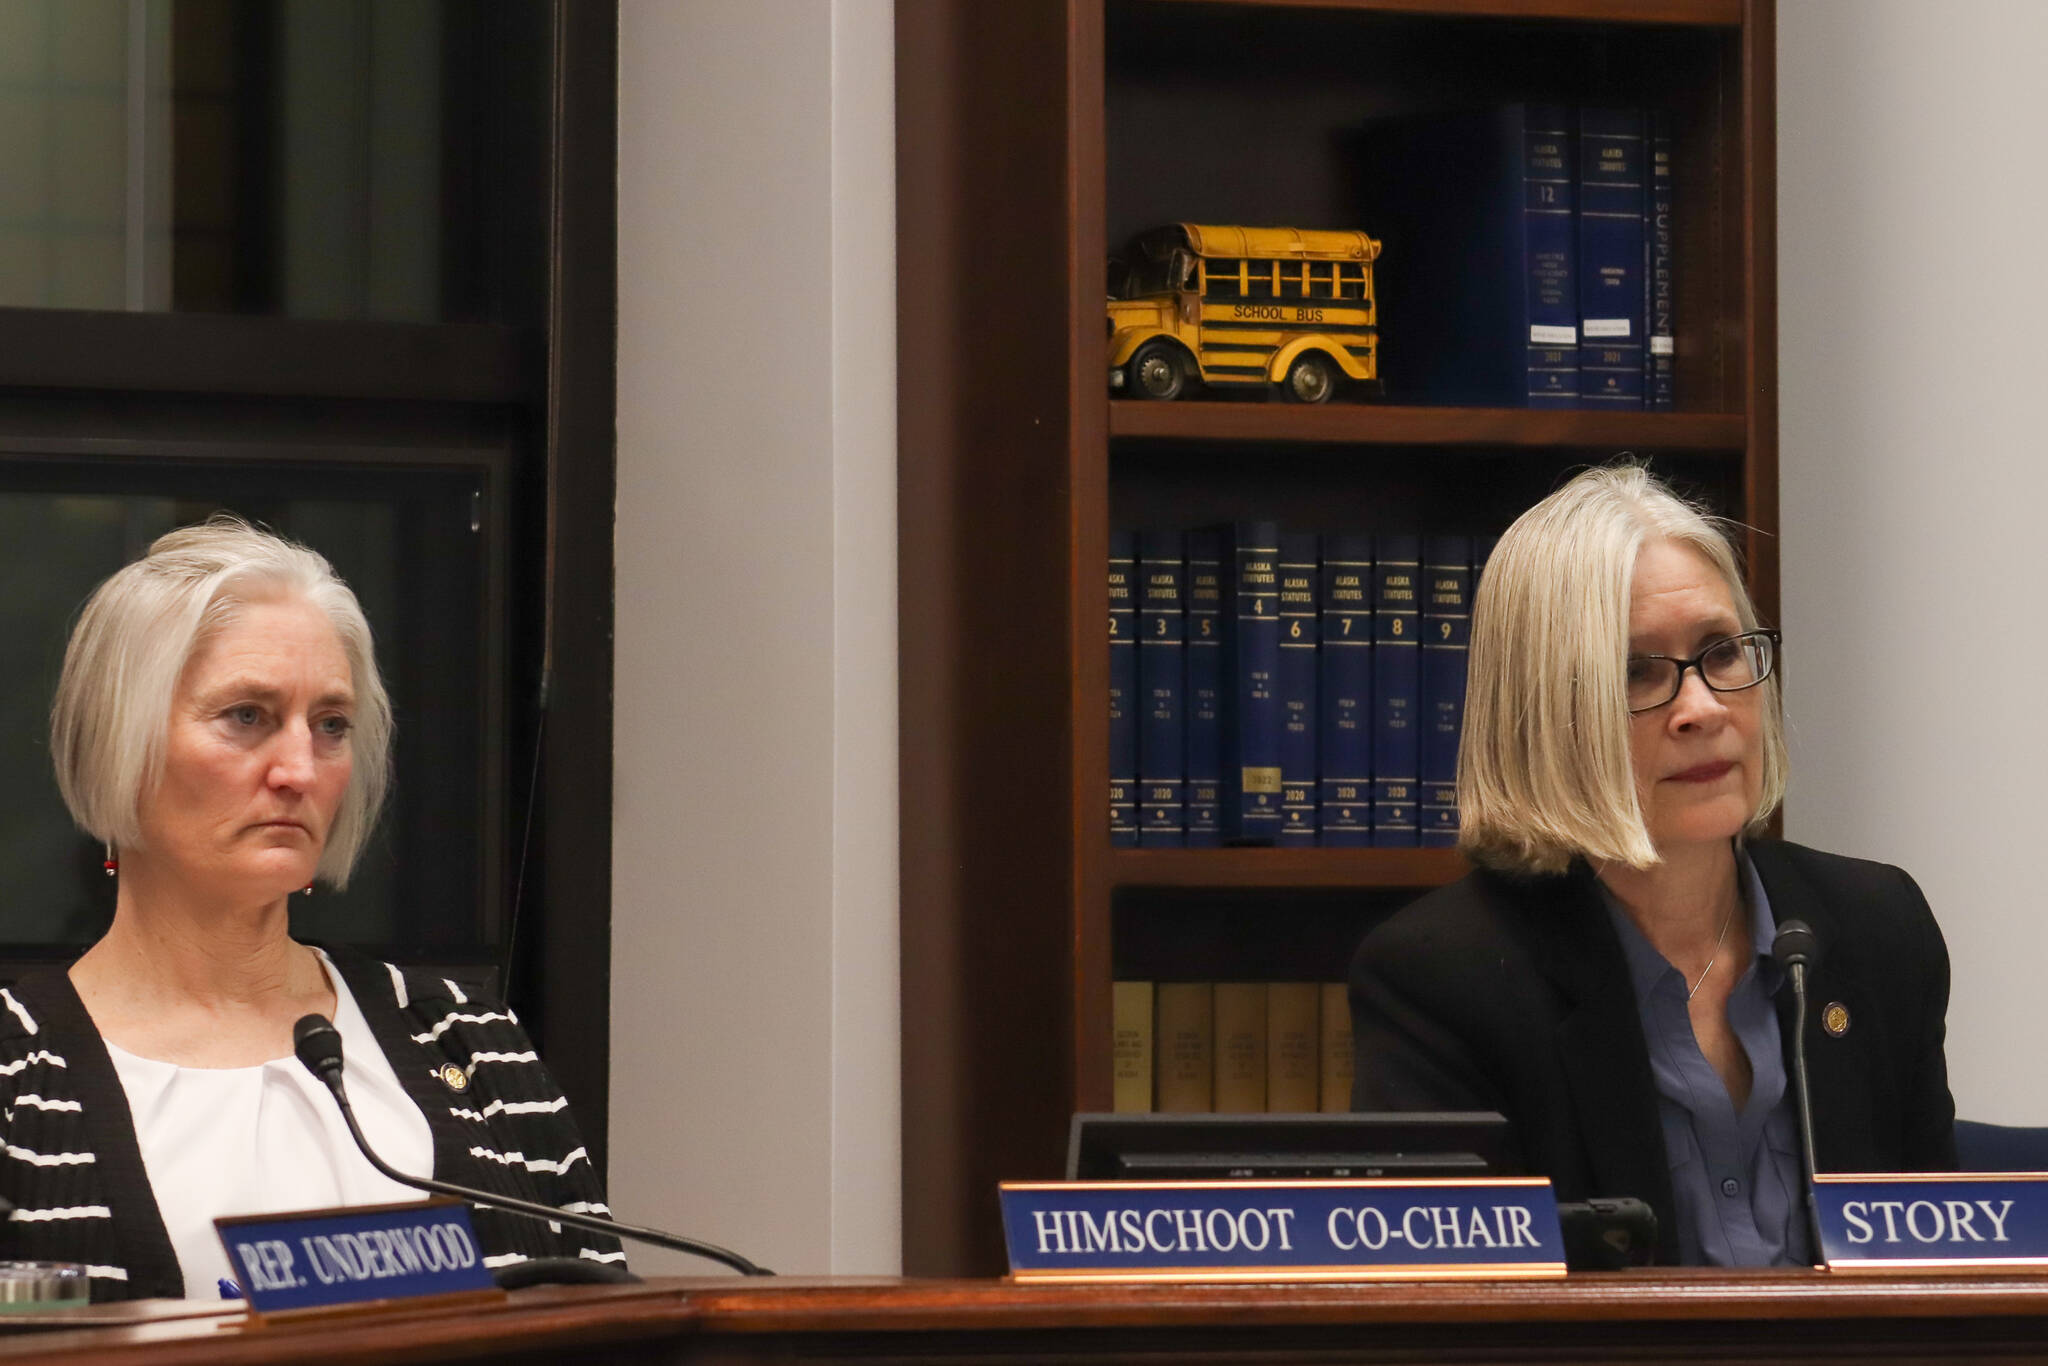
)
(1281, 1230)
(318, 1259)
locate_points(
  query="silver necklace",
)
(1722, 938)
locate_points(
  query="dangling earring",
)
(110, 863)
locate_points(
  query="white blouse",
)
(269, 1138)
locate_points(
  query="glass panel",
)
(70, 209)
(404, 541)
(374, 159)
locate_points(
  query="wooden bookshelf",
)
(1031, 140)
(1284, 868)
(1395, 424)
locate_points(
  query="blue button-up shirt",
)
(1735, 1178)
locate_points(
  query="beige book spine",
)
(1337, 1060)
(1131, 1046)
(1181, 1046)
(1240, 1047)
(1293, 1011)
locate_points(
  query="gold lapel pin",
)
(1835, 1019)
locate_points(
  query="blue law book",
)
(1396, 690)
(1477, 208)
(1162, 684)
(1123, 689)
(1446, 639)
(1344, 732)
(1659, 367)
(1613, 159)
(1204, 686)
(1298, 716)
(1248, 807)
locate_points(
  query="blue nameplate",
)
(320, 1258)
(1281, 1230)
(1955, 1219)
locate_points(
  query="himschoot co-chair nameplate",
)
(1281, 1230)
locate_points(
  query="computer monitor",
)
(1154, 1147)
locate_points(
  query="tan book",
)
(1240, 1047)
(1336, 1049)
(1131, 1046)
(1293, 1081)
(1181, 1048)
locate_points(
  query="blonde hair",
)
(1544, 773)
(131, 645)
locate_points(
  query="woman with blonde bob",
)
(1603, 977)
(220, 726)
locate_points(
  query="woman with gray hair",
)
(221, 727)
(1603, 977)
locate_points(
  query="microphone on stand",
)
(1796, 949)
(318, 1045)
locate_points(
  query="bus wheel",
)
(1157, 372)
(1311, 379)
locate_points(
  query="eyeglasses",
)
(1729, 664)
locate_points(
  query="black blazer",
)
(1512, 994)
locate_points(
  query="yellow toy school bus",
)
(1244, 306)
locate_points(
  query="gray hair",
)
(131, 645)
(1544, 771)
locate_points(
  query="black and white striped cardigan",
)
(75, 1175)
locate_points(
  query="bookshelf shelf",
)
(1285, 869)
(1034, 141)
(1398, 425)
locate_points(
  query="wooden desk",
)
(1630, 1317)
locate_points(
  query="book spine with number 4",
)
(1249, 812)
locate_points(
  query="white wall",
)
(754, 1000)
(1915, 478)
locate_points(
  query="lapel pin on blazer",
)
(1835, 1019)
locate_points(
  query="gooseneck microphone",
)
(1796, 949)
(318, 1045)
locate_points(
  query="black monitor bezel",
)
(1359, 1143)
